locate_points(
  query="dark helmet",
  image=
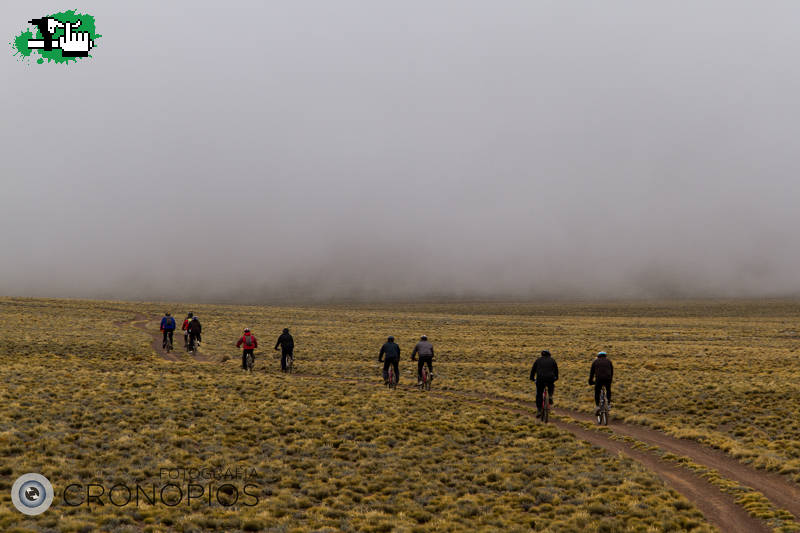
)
(601, 354)
(286, 330)
(390, 339)
(166, 314)
(247, 330)
(191, 315)
(423, 338)
(545, 353)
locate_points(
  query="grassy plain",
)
(87, 401)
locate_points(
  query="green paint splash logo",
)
(59, 38)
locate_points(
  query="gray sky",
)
(367, 149)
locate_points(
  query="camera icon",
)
(32, 494)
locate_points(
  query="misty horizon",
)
(362, 152)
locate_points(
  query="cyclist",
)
(286, 342)
(545, 374)
(185, 329)
(425, 351)
(248, 343)
(168, 329)
(603, 371)
(391, 351)
(194, 328)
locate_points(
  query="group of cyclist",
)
(544, 371)
(191, 328)
(248, 343)
(390, 356)
(545, 374)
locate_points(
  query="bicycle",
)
(545, 407)
(392, 382)
(193, 345)
(249, 361)
(602, 410)
(167, 345)
(289, 363)
(426, 379)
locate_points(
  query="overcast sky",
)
(361, 149)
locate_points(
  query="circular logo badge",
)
(32, 494)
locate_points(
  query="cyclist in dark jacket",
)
(194, 328)
(286, 342)
(185, 328)
(390, 355)
(603, 371)
(168, 329)
(545, 373)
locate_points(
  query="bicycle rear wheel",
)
(602, 418)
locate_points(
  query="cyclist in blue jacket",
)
(168, 329)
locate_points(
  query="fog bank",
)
(256, 152)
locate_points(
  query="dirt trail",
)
(718, 507)
(779, 490)
(141, 321)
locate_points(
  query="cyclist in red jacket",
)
(248, 343)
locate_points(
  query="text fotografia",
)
(238, 473)
(178, 486)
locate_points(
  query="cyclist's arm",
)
(556, 371)
(380, 355)
(591, 374)
(533, 371)
(611, 367)
(431, 351)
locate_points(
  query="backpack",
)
(170, 323)
(248, 341)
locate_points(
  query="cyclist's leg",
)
(171, 332)
(597, 386)
(283, 360)
(164, 340)
(429, 361)
(386, 371)
(551, 387)
(539, 391)
(608, 390)
(419, 369)
(396, 365)
(244, 359)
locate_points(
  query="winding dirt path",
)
(719, 508)
(141, 322)
(776, 488)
